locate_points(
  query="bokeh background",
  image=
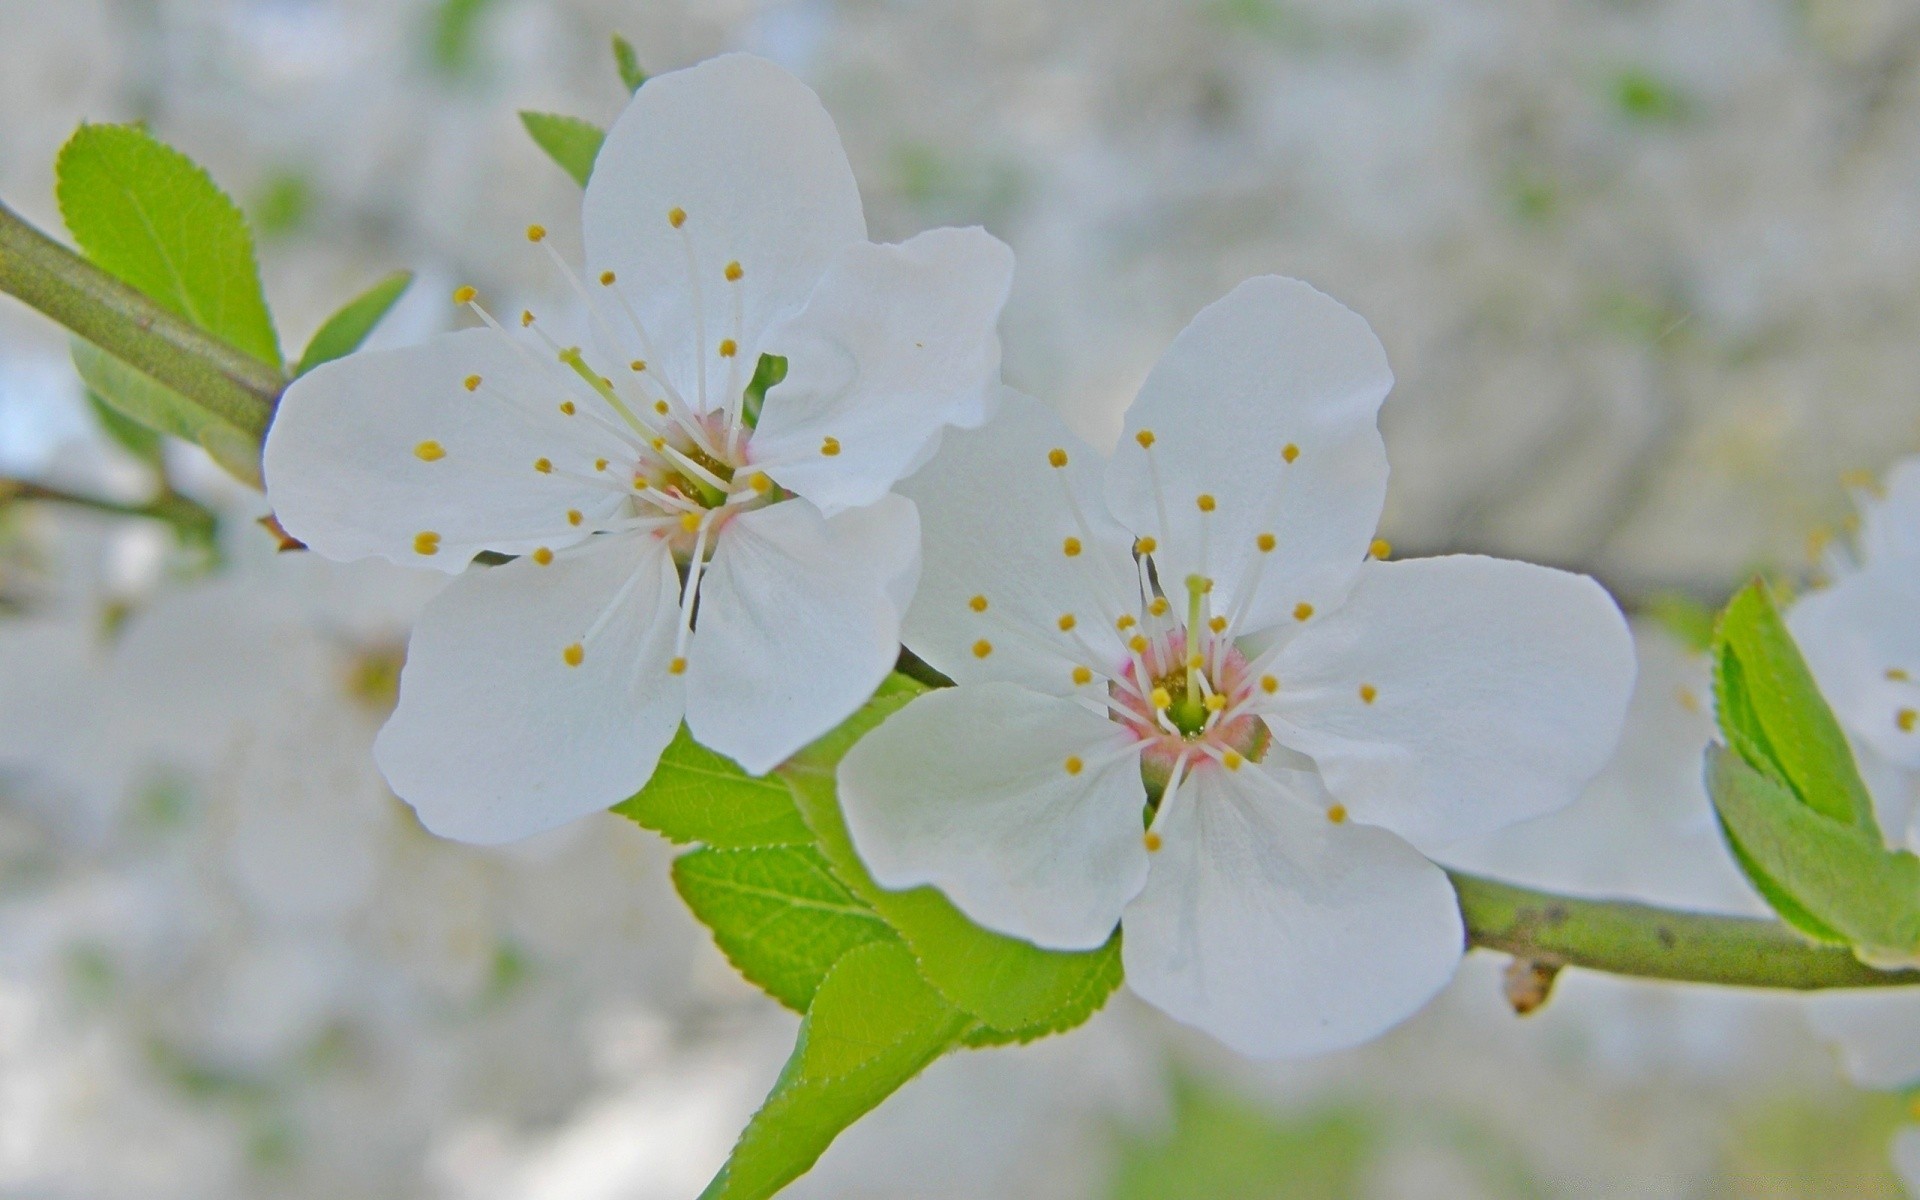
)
(1649, 275)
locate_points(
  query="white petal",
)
(1499, 690)
(1852, 634)
(496, 737)
(1890, 521)
(799, 622)
(1280, 932)
(1877, 1032)
(748, 154)
(368, 452)
(897, 342)
(994, 519)
(968, 789)
(1274, 364)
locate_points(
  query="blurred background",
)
(1648, 272)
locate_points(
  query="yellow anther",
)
(574, 516)
(978, 604)
(1217, 624)
(759, 482)
(1266, 542)
(426, 542)
(1897, 675)
(638, 364)
(607, 278)
(1057, 457)
(471, 383)
(830, 446)
(1368, 693)
(734, 272)
(1074, 765)
(1145, 545)
(429, 451)
(566, 406)
(1216, 702)
(1145, 438)
(1231, 760)
(1205, 502)
(543, 556)
(536, 233)
(526, 317)
(1291, 452)
(599, 464)
(574, 655)
(659, 443)
(1337, 814)
(1302, 611)
(1162, 699)
(982, 648)
(1151, 840)
(660, 406)
(1124, 622)
(1380, 548)
(465, 295)
(1195, 661)
(1138, 643)
(728, 348)
(1206, 586)
(690, 522)
(676, 217)
(1684, 697)
(677, 667)
(543, 465)
(1159, 606)
(1070, 547)
(1082, 676)
(1269, 684)
(1067, 622)
(1905, 719)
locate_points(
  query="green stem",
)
(230, 384)
(181, 512)
(1625, 938)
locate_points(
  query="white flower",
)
(722, 223)
(1199, 621)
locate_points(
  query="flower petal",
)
(497, 736)
(1268, 403)
(799, 622)
(1862, 644)
(1890, 520)
(750, 161)
(975, 790)
(996, 523)
(1877, 1031)
(1280, 932)
(1451, 696)
(897, 342)
(391, 454)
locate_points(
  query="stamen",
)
(429, 451)
(574, 654)
(982, 648)
(1905, 719)
(1380, 548)
(426, 542)
(1368, 693)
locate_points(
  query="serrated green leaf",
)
(1017, 989)
(146, 401)
(1773, 715)
(778, 914)
(146, 213)
(874, 1025)
(568, 141)
(341, 334)
(1840, 875)
(696, 795)
(628, 64)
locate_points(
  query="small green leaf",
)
(628, 64)
(696, 795)
(778, 914)
(342, 333)
(1688, 620)
(456, 35)
(1017, 989)
(146, 401)
(874, 1025)
(1840, 875)
(1773, 715)
(149, 215)
(568, 141)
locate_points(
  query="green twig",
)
(230, 384)
(183, 513)
(1622, 937)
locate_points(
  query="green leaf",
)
(628, 64)
(456, 35)
(1017, 989)
(1688, 620)
(569, 141)
(146, 401)
(696, 795)
(342, 333)
(1773, 715)
(1840, 875)
(147, 214)
(778, 914)
(874, 1025)
(141, 441)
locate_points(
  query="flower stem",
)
(1622, 937)
(183, 513)
(228, 383)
